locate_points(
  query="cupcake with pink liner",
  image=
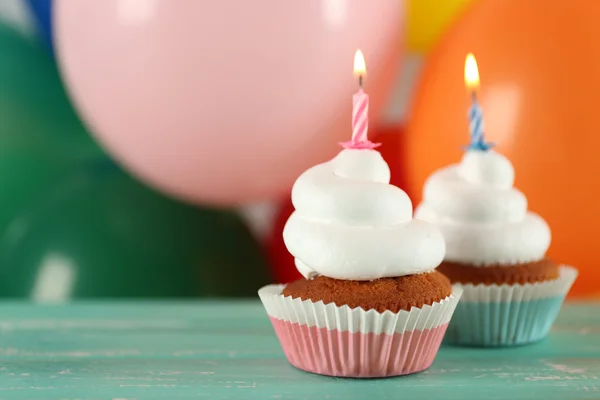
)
(371, 303)
(495, 248)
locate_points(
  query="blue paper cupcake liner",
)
(508, 315)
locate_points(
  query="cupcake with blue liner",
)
(495, 251)
(495, 248)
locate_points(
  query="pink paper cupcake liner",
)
(339, 341)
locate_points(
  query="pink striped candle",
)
(360, 110)
(360, 116)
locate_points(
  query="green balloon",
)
(99, 233)
(40, 134)
(73, 225)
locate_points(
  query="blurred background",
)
(148, 147)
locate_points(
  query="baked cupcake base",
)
(508, 315)
(538, 271)
(385, 294)
(350, 342)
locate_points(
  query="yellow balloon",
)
(427, 20)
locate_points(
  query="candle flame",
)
(471, 73)
(360, 69)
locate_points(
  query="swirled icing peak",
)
(350, 223)
(487, 168)
(484, 220)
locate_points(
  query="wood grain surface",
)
(228, 350)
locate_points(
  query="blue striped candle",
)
(475, 112)
(476, 128)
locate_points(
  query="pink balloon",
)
(224, 101)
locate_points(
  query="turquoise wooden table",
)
(227, 350)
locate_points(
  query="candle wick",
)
(474, 96)
(360, 81)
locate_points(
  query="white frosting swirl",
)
(484, 220)
(350, 223)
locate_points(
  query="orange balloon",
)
(539, 63)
